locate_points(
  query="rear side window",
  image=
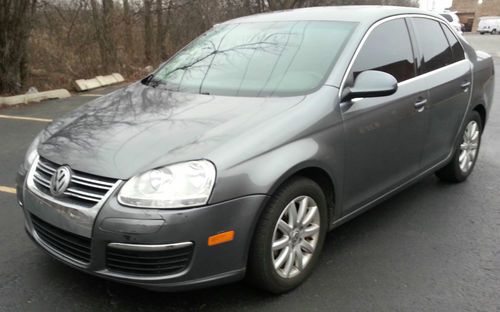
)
(388, 49)
(456, 48)
(434, 46)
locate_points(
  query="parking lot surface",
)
(433, 247)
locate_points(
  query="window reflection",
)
(257, 59)
(456, 47)
(435, 49)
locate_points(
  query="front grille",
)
(165, 262)
(69, 244)
(84, 189)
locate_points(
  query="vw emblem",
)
(60, 181)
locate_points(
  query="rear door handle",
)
(420, 105)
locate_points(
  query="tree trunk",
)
(160, 31)
(107, 34)
(96, 18)
(285, 4)
(15, 25)
(103, 28)
(147, 32)
(128, 27)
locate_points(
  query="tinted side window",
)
(456, 47)
(434, 46)
(388, 49)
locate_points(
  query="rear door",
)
(447, 72)
(384, 135)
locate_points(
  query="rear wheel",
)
(494, 31)
(289, 237)
(466, 153)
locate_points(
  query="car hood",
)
(138, 128)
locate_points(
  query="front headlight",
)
(176, 186)
(31, 153)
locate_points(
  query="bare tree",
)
(15, 27)
(285, 4)
(148, 31)
(127, 20)
(103, 29)
(60, 36)
(160, 30)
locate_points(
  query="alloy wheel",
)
(295, 236)
(469, 146)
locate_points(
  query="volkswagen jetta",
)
(237, 155)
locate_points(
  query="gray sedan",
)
(236, 156)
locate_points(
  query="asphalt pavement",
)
(433, 247)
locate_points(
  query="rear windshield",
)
(257, 59)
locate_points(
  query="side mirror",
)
(371, 83)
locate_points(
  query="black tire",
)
(452, 172)
(493, 32)
(260, 269)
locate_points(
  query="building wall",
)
(464, 6)
(467, 8)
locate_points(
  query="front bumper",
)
(114, 223)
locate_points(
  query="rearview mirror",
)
(371, 83)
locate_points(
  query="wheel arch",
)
(319, 174)
(480, 108)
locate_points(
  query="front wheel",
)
(289, 237)
(466, 153)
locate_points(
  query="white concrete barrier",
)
(34, 97)
(97, 82)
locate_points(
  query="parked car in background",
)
(238, 155)
(489, 24)
(453, 19)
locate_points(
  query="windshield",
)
(257, 59)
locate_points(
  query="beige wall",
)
(464, 5)
(487, 8)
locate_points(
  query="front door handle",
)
(465, 85)
(420, 105)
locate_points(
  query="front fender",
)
(265, 173)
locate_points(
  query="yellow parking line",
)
(25, 118)
(7, 189)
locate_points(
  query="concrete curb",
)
(34, 97)
(97, 82)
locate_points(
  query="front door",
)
(384, 136)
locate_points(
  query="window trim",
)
(383, 20)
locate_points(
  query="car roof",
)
(366, 14)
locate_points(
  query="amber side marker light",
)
(221, 238)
